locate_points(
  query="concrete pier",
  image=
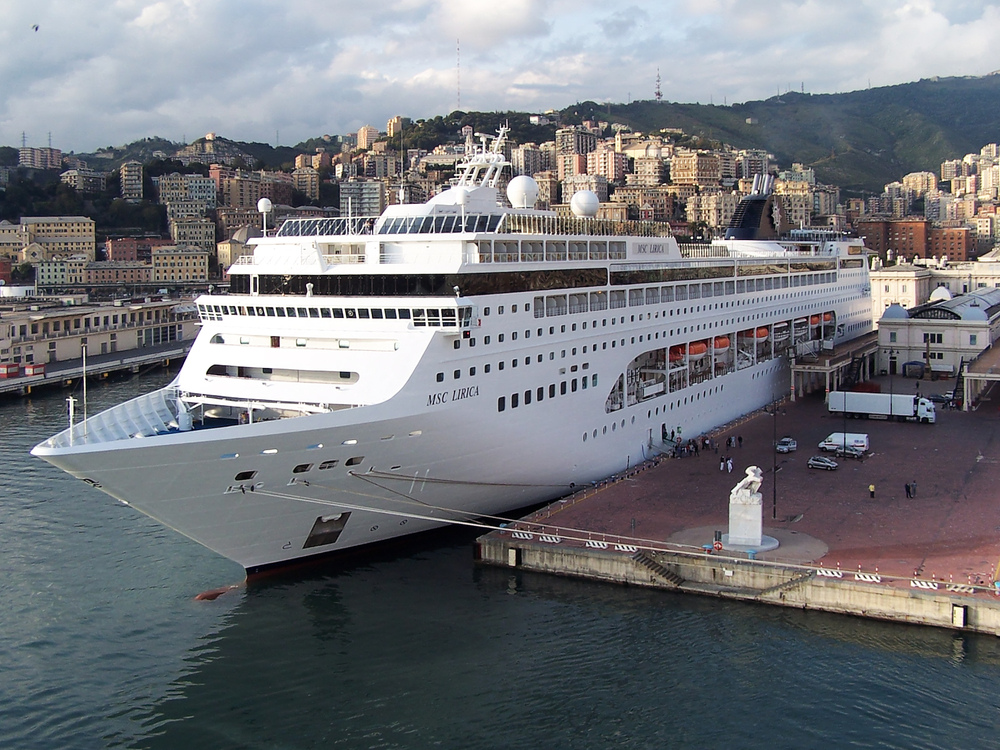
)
(928, 559)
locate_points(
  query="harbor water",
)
(104, 645)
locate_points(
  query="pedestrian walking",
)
(739, 439)
(729, 465)
(908, 490)
(722, 464)
(871, 491)
(913, 488)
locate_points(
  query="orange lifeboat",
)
(827, 317)
(698, 349)
(761, 334)
(814, 320)
(720, 342)
(676, 353)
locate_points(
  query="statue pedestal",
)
(746, 516)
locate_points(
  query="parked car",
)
(940, 398)
(786, 445)
(822, 462)
(850, 452)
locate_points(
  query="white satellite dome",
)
(522, 192)
(585, 204)
(264, 205)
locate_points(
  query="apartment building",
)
(51, 236)
(193, 231)
(699, 168)
(176, 264)
(306, 180)
(605, 161)
(112, 272)
(130, 176)
(362, 198)
(84, 180)
(39, 158)
(367, 135)
(594, 182)
(182, 187)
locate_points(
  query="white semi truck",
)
(882, 406)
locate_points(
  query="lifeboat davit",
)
(720, 342)
(676, 353)
(698, 349)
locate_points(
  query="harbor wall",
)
(751, 581)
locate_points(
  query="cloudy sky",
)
(99, 74)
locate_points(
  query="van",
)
(841, 440)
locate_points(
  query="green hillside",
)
(859, 140)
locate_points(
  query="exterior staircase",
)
(670, 578)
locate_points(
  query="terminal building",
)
(939, 336)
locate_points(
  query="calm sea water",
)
(103, 645)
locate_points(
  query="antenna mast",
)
(659, 93)
(458, 73)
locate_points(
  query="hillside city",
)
(925, 231)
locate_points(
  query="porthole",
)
(354, 460)
(301, 468)
(244, 476)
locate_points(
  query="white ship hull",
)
(434, 388)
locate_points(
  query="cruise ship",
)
(366, 378)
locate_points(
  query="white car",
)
(786, 445)
(821, 462)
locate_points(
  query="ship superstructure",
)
(366, 378)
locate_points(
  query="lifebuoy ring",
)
(717, 546)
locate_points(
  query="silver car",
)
(822, 462)
(786, 445)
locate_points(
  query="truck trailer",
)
(882, 406)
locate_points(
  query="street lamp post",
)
(892, 354)
(774, 459)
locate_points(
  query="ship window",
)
(244, 476)
(404, 314)
(486, 368)
(527, 397)
(354, 460)
(501, 403)
(281, 312)
(513, 401)
(562, 388)
(486, 311)
(552, 390)
(377, 314)
(390, 314)
(337, 312)
(301, 468)
(456, 375)
(270, 312)
(350, 312)
(539, 393)
(328, 464)
(363, 312)
(324, 312)
(313, 312)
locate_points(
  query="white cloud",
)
(98, 74)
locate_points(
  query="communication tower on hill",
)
(658, 94)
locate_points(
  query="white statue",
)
(747, 491)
